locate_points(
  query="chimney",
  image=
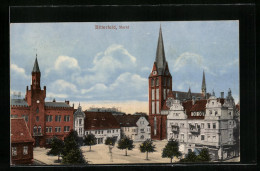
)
(54, 100)
(67, 101)
(222, 95)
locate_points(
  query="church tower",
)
(35, 98)
(203, 86)
(160, 84)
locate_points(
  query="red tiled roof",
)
(238, 107)
(127, 120)
(200, 105)
(20, 131)
(100, 120)
(187, 105)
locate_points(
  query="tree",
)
(125, 143)
(190, 157)
(203, 155)
(56, 147)
(110, 141)
(148, 147)
(90, 140)
(71, 151)
(171, 149)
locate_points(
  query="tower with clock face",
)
(35, 98)
(160, 84)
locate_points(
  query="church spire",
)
(160, 55)
(189, 95)
(203, 86)
(36, 66)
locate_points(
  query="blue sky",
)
(81, 63)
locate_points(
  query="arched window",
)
(39, 129)
(35, 129)
(37, 110)
(157, 81)
(142, 137)
(152, 82)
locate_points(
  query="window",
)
(157, 81)
(214, 137)
(209, 125)
(212, 103)
(210, 112)
(14, 151)
(153, 108)
(48, 118)
(152, 82)
(57, 118)
(35, 129)
(190, 136)
(114, 130)
(214, 125)
(202, 125)
(39, 129)
(67, 129)
(48, 129)
(142, 137)
(14, 116)
(48, 140)
(25, 150)
(98, 132)
(157, 94)
(37, 118)
(95, 132)
(230, 113)
(153, 94)
(157, 107)
(37, 110)
(142, 130)
(57, 129)
(80, 121)
(216, 112)
(164, 81)
(202, 137)
(66, 118)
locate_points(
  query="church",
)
(160, 88)
(44, 119)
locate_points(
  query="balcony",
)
(175, 128)
(37, 134)
(194, 129)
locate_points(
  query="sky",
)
(110, 67)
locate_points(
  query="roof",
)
(187, 105)
(19, 102)
(79, 112)
(128, 120)
(180, 95)
(100, 120)
(36, 66)
(19, 131)
(56, 104)
(160, 55)
(200, 105)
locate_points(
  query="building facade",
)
(204, 123)
(102, 125)
(135, 127)
(44, 119)
(21, 142)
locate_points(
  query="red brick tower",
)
(36, 100)
(160, 84)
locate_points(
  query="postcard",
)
(85, 93)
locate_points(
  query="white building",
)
(135, 127)
(102, 125)
(78, 125)
(203, 123)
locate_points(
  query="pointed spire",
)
(203, 86)
(213, 93)
(36, 66)
(189, 94)
(160, 55)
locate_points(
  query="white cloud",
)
(19, 71)
(63, 64)
(62, 86)
(188, 58)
